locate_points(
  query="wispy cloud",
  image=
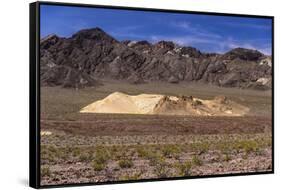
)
(127, 32)
(183, 25)
(197, 30)
(207, 42)
(183, 40)
(266, 50)
(248, 25)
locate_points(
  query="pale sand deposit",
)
(122, 103)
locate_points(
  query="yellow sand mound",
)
(118, 102)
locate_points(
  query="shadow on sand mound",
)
(118, 102)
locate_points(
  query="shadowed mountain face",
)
(91, 54)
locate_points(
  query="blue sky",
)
(205, 32)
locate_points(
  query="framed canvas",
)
(121, 94)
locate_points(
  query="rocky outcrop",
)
(158, 104)
(243, 54)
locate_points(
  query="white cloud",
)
(184, 25)
(184, 40)
(188, 28)
(127, 31)
(248, 25)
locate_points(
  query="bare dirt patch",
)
(111, 124)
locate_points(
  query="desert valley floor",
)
(90, 147)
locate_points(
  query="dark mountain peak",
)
(126, 42)
(142, 46)
(165, 44)
(244, 54)
(190, 51)
(93, 34)
(190, 48)
(162, 47)
(143, 42)
(49, 40)
(212, 54)
(131, 43)
(244, 50)
(49, 37)
(89, 31)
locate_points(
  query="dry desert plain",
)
(96, 147)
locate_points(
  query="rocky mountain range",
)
(91, 55)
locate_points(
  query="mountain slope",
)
(91, 55)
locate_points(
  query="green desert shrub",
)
(47, 156)
(161, 168)
(202, 147)
(196, 161)
(119, 153)
(63, 154)
(98, 166)
(226, 157)
(148, 153)
(155, 158)
(184, 168)
(247, 145)
(142, 152)
(52, 148)
(170, 150)
(86, 157)
(45, 171)
(125, 163)
(224, 147)
(76, 152)
(135, 176)
(102, 155)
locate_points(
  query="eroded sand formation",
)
(118, 102)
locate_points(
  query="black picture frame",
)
(34, 91)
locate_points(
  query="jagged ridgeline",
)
(91, 55)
